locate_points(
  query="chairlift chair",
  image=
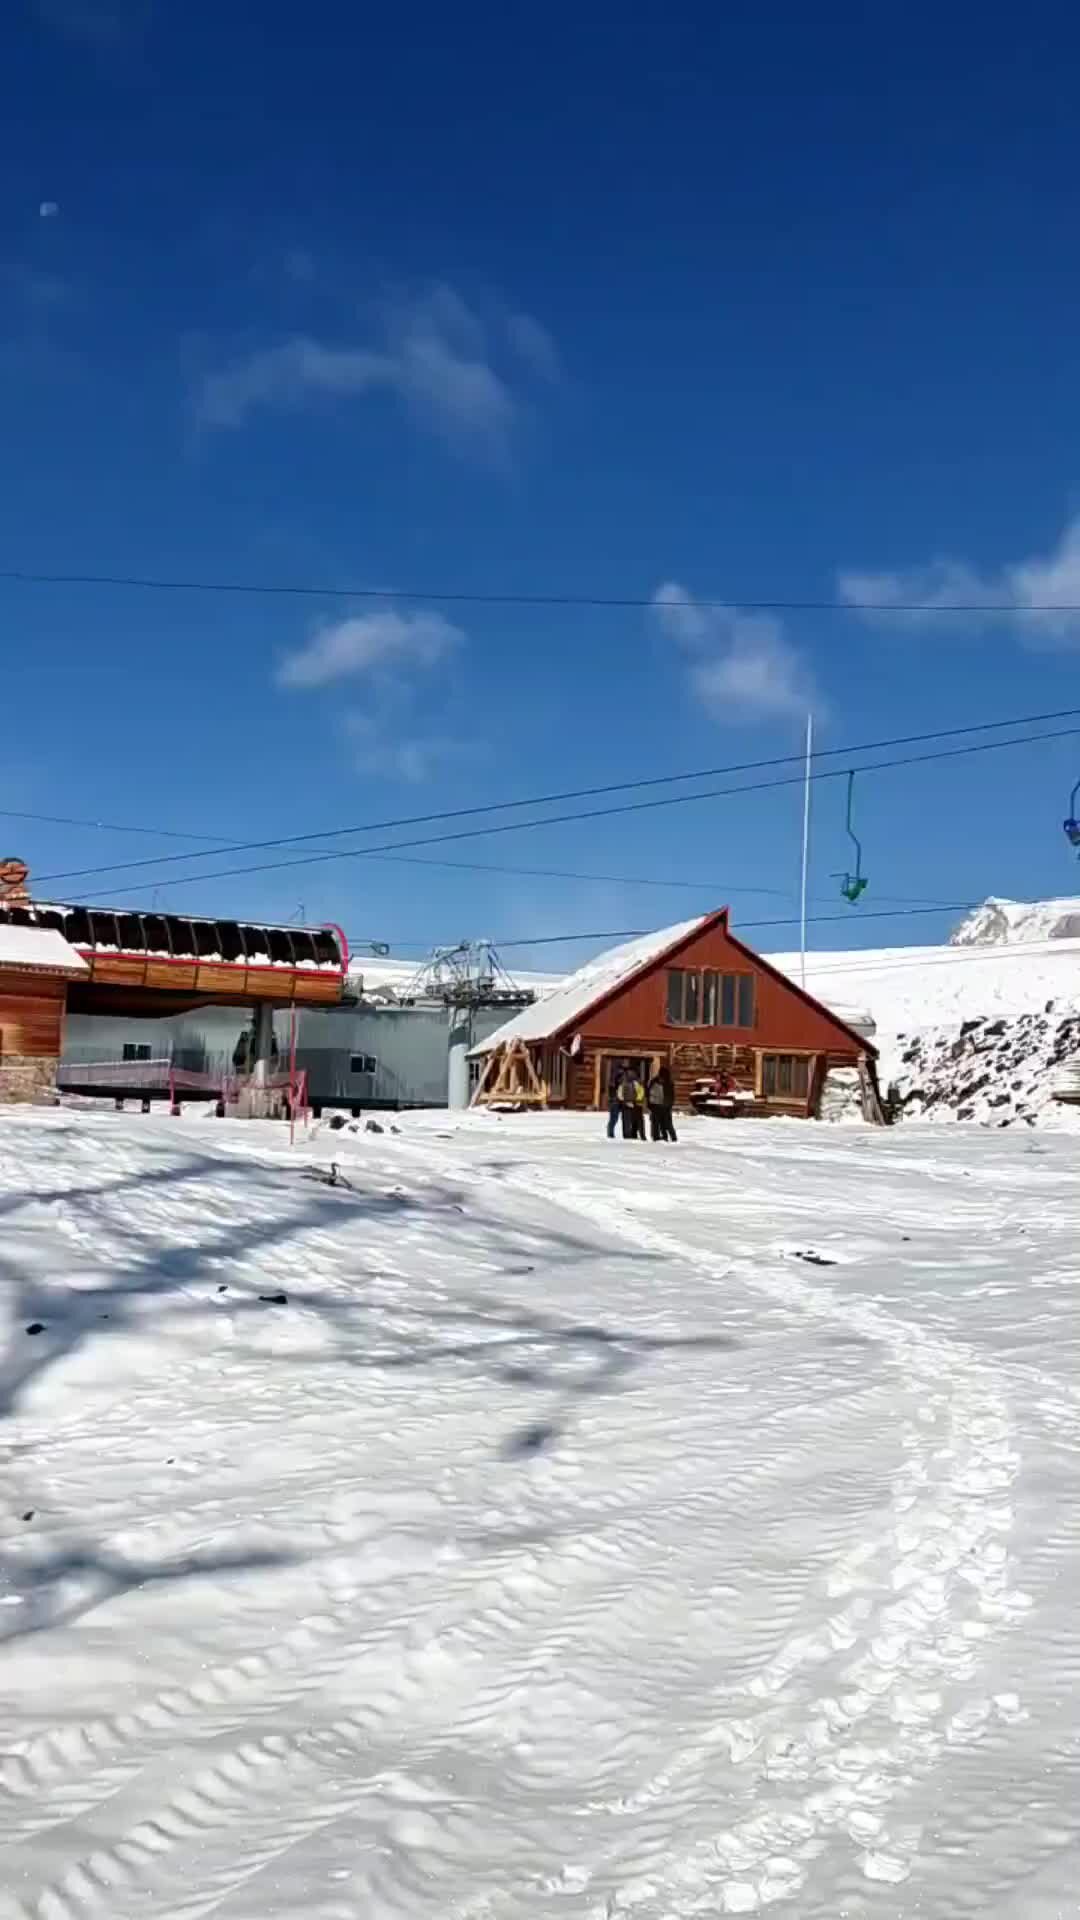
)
(854, 885)
(1072, 824)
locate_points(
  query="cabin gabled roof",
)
(599, 980)
(609, 974)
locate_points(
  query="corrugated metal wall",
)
(407, 1044)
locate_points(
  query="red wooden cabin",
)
(694, 998)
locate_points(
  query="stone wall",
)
(25, 1077)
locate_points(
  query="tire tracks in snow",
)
(947, 1569)
(233, 1806)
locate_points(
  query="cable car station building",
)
(58, 959)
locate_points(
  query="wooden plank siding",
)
(214, 980)
(31, 1017)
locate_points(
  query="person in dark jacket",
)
(661, 1100)
(614, 1108)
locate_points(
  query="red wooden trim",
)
(705, 925)
(711, 920)
(861, 1045)
(235, 966)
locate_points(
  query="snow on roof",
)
(38, 947)
(590, 983)
(911, 988)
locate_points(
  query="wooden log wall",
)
(32, 1019)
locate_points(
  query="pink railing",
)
(143, 1076)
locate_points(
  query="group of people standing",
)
(630, 1098)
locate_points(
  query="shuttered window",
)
(785, 1076)
(709, 999)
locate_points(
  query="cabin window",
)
(476, 1068)
(709, 999)
(362, 1063)
(785, 1076)
(557, 1082)
(137, 1050)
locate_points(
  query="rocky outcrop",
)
(998, 1072)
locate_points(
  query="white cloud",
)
(433, 356)
(370, 643)
(740, 665)
(1021, 591)
(283, 376)
(534, 344)
(412, 758)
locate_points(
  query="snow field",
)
(569, 1543)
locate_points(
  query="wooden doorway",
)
(643, 1064)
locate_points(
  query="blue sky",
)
(703, 305)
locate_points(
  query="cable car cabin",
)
(160, 963)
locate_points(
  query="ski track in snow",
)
(568, 1545)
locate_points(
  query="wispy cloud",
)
(1039, 595)
(740, 665)
(412, 758)
(102, 23)
(31, 289)
(384, 642)
(285, 376)
(432, 353)
(534, 344)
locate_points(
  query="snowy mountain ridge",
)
(999, 923)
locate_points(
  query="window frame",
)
(797, 1063)
(135, 1053)
(714, 991)
(369, 1068)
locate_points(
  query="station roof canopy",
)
(39, 950)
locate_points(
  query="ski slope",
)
(593, 1530)
(913, 989)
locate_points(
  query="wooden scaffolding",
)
(510, 1079)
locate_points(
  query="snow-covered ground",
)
(594, 1529)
